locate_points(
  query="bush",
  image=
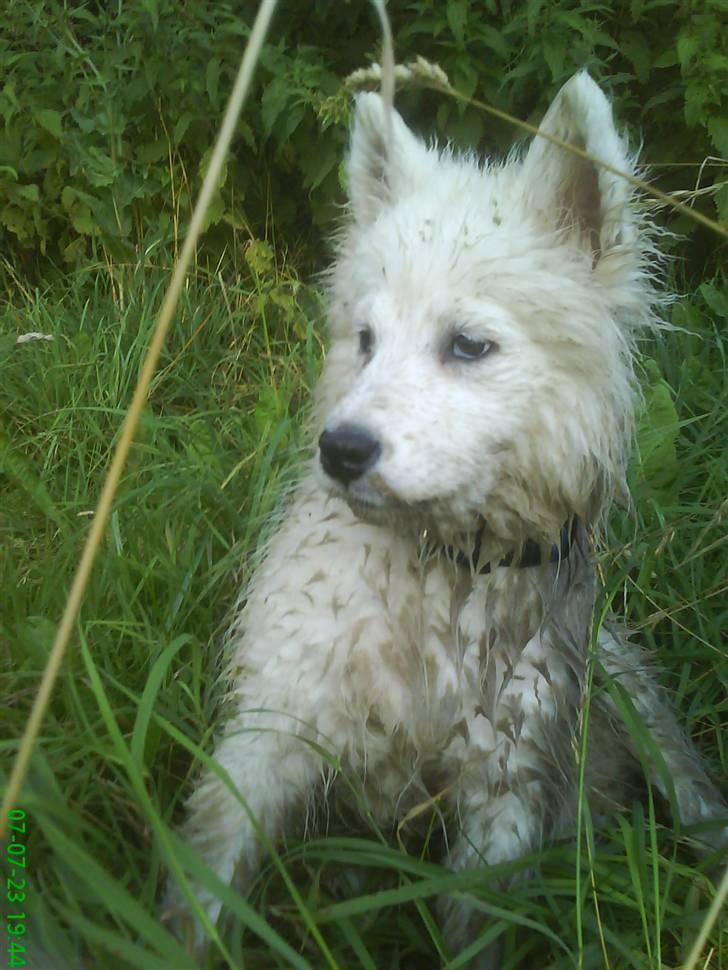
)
(109, 109)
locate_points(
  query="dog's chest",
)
(429, 687)
(417, 677)
(396, 665)
(400, 674)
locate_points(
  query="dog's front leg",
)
(306, 611)
(273, 772)
(494, 828)
(517, 784)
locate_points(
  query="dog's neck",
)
(479, 559)
(520, 589)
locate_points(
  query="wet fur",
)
(359, 632)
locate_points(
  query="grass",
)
(137, 699)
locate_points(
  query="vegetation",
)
(109, 109)
(108, 114)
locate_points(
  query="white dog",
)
(423, 613)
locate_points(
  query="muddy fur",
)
(477, 394)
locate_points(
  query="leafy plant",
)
(108, 111)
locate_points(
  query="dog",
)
(424, 610)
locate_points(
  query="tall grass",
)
(138, 697)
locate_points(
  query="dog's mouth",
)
(383, 508)
(365, 502)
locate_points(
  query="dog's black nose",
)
(347, 452)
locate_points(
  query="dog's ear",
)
(575, 193)
(384, 160)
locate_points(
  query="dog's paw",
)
(178, 917)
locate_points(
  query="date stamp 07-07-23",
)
(15, 886)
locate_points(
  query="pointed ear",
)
(385, 158)
(571, 192)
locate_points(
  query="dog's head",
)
(482, 321)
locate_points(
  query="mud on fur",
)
(424, 610)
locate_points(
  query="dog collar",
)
(531, 552)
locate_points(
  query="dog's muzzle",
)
(347, 452)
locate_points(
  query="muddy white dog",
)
(423, 613)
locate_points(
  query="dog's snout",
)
(347, 452)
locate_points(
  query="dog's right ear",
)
(385, 158)
(575, 192)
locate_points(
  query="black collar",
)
(531, 551)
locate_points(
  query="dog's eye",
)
(366, 341)
(465, 348)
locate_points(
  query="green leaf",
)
(554, 52)
(457, 19)
(465, 80)
(246, 133)
(495, 41)
(275, 100)
(260, 257)
(696, 99)
(17, 221)
(668, 58)
(635, 47)
(688, 45)
(716, 298)
(317, 166)
(718, 130)
(205, 162)
(83, 221)
(30, 192)
(534, 9)
(212, 81)
(289, 121)
(153, 151)
(74, 250)
(152, 8)
(214, 212)
(68, 197)
(101, 170)
(235, 218)
(658, 428)
(49, 120)
(181, 126)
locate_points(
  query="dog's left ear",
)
(574, 193)
(385, 159)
